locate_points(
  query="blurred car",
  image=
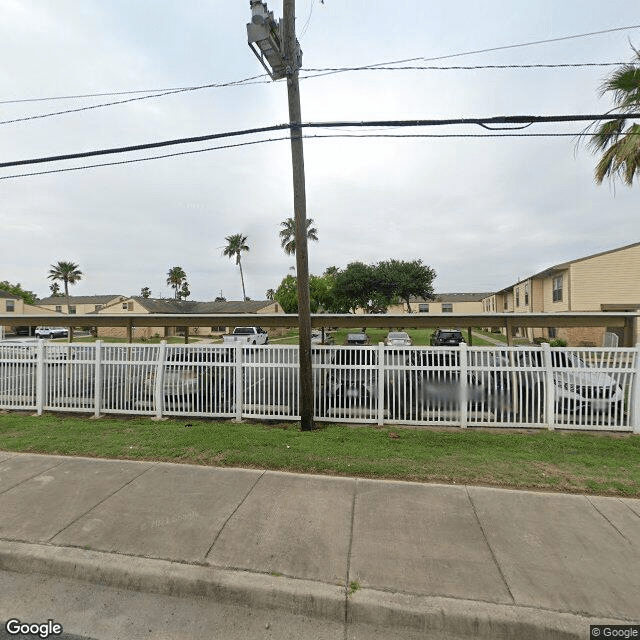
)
(352, 380)
(52, 332)
(446, 337)
(398, 339)
(576, 388)
(358, 338)
(194, 377)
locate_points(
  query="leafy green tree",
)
(236, 245)
(66, 272)
(287, 294)
(16, 290)
(618, 141)
(288, 234)
(175, 278)
(145, 292)
(360, 286)
(404, 280)
(55, 290)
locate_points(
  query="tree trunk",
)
(244, 294)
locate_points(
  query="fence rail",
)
(536, 387)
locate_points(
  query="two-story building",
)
(605, 281)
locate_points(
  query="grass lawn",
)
(602, 464)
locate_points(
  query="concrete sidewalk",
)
(471, 561)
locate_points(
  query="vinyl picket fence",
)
(535, 387)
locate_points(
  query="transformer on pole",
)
(278, 50)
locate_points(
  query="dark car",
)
(447, 337)
(358, 338)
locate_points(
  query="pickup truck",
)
(247, 335)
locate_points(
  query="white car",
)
(52, 332)
(398, 339)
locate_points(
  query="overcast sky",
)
(482, 212)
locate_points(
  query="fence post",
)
(634, 400)
(381, 373)
(159, 389)
(550, 393)
(97, 378)
(238, 382)
(39, 377)
(463, 396)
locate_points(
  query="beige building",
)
(80, 304)
(10, 303)
(606, 281)
(140, 305)
(444, 303)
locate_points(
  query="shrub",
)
(558, 342)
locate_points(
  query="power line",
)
(371, 66)
(311, 137)
(484, 122)
(478, 67)
(117, 102)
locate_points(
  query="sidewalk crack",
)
(251, 488)
(35, 475)
(607, 519)
(486, 539)
(97, 504)
(347, 576)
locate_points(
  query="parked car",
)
(247, 335)
(358, 338)
(192, 377)
(576, 388)
(352, 379)
(52, 332)
(446, 337)
(398, 339)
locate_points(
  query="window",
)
(526, 295)
(423, 307)
(11, 306)
(552, 332)
(505, 304)
(447, 307)
(557, 289)
(72, 308)
(127, 306)
(518, 297)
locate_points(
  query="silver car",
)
(398, 339)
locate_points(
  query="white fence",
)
(536, 387)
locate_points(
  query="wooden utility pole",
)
(300, 212)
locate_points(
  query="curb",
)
(428, 614)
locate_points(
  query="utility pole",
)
(278, 44)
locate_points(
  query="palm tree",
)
(175, 278)
(288, 234)
(236, 244)
(619, 143)
(67, 272)
(270, 294)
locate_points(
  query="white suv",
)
(52, 332)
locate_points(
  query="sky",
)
(482, 212)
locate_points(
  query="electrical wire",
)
(136, 99)
(371, 66)
(484, 122)
(306, 137)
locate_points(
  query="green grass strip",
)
(603, 464)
